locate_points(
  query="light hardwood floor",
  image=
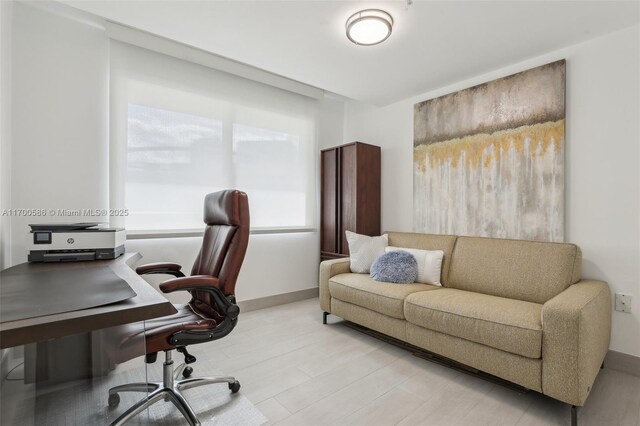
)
(300, 372)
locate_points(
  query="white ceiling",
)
(434, 43)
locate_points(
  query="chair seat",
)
(158, 330)
(385, 298)
(510, 325)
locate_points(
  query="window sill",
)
(186, 233)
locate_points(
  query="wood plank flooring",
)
(300, 372)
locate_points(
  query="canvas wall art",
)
(489, 160)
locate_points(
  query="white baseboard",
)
(622, 362)
(278, 299)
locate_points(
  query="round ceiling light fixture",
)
(369, 27)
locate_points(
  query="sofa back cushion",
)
(426, 242)
(532, 271)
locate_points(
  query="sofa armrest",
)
(576, 328)
(328, 269)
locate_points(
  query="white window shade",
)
(180, 131)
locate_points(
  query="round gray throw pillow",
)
(397, 266)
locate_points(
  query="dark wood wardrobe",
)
(349, 196)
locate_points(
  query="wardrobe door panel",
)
(329, 202)
(348, 202)
(368, 190)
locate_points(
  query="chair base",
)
(167, 390)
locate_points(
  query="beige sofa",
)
(518, 310)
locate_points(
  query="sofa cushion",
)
(525, 270)
(429, 263)
(382, 297)
(426, 242)
(364, 250)
(510, 325)
(395, 267)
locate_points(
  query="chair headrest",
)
(225, 207)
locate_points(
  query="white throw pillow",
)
(429, 264)
(364, 250)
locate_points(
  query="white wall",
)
(331, 123)
(274, 264)
(602, 161)
(5, 148)
(60, 149)
(59, 118)
(5, 132)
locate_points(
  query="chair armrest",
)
(328, 269)
(160, 268)
(576, 329)
(207, 284)
(188, 283)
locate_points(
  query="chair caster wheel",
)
(234, 386)
(187, 372)
(114, 400)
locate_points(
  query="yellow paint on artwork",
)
(477, 148)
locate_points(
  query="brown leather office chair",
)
(210, 314)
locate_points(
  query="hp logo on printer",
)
(70, 240)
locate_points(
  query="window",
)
(173, 161)
(265, 163)
(181, 131)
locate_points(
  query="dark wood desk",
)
(148, 304)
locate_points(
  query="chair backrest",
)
(226, 236)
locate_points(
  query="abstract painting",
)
(489, 160)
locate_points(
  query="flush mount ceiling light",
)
(369, 27)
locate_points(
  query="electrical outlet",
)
(623, 302)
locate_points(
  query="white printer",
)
(62, 242)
